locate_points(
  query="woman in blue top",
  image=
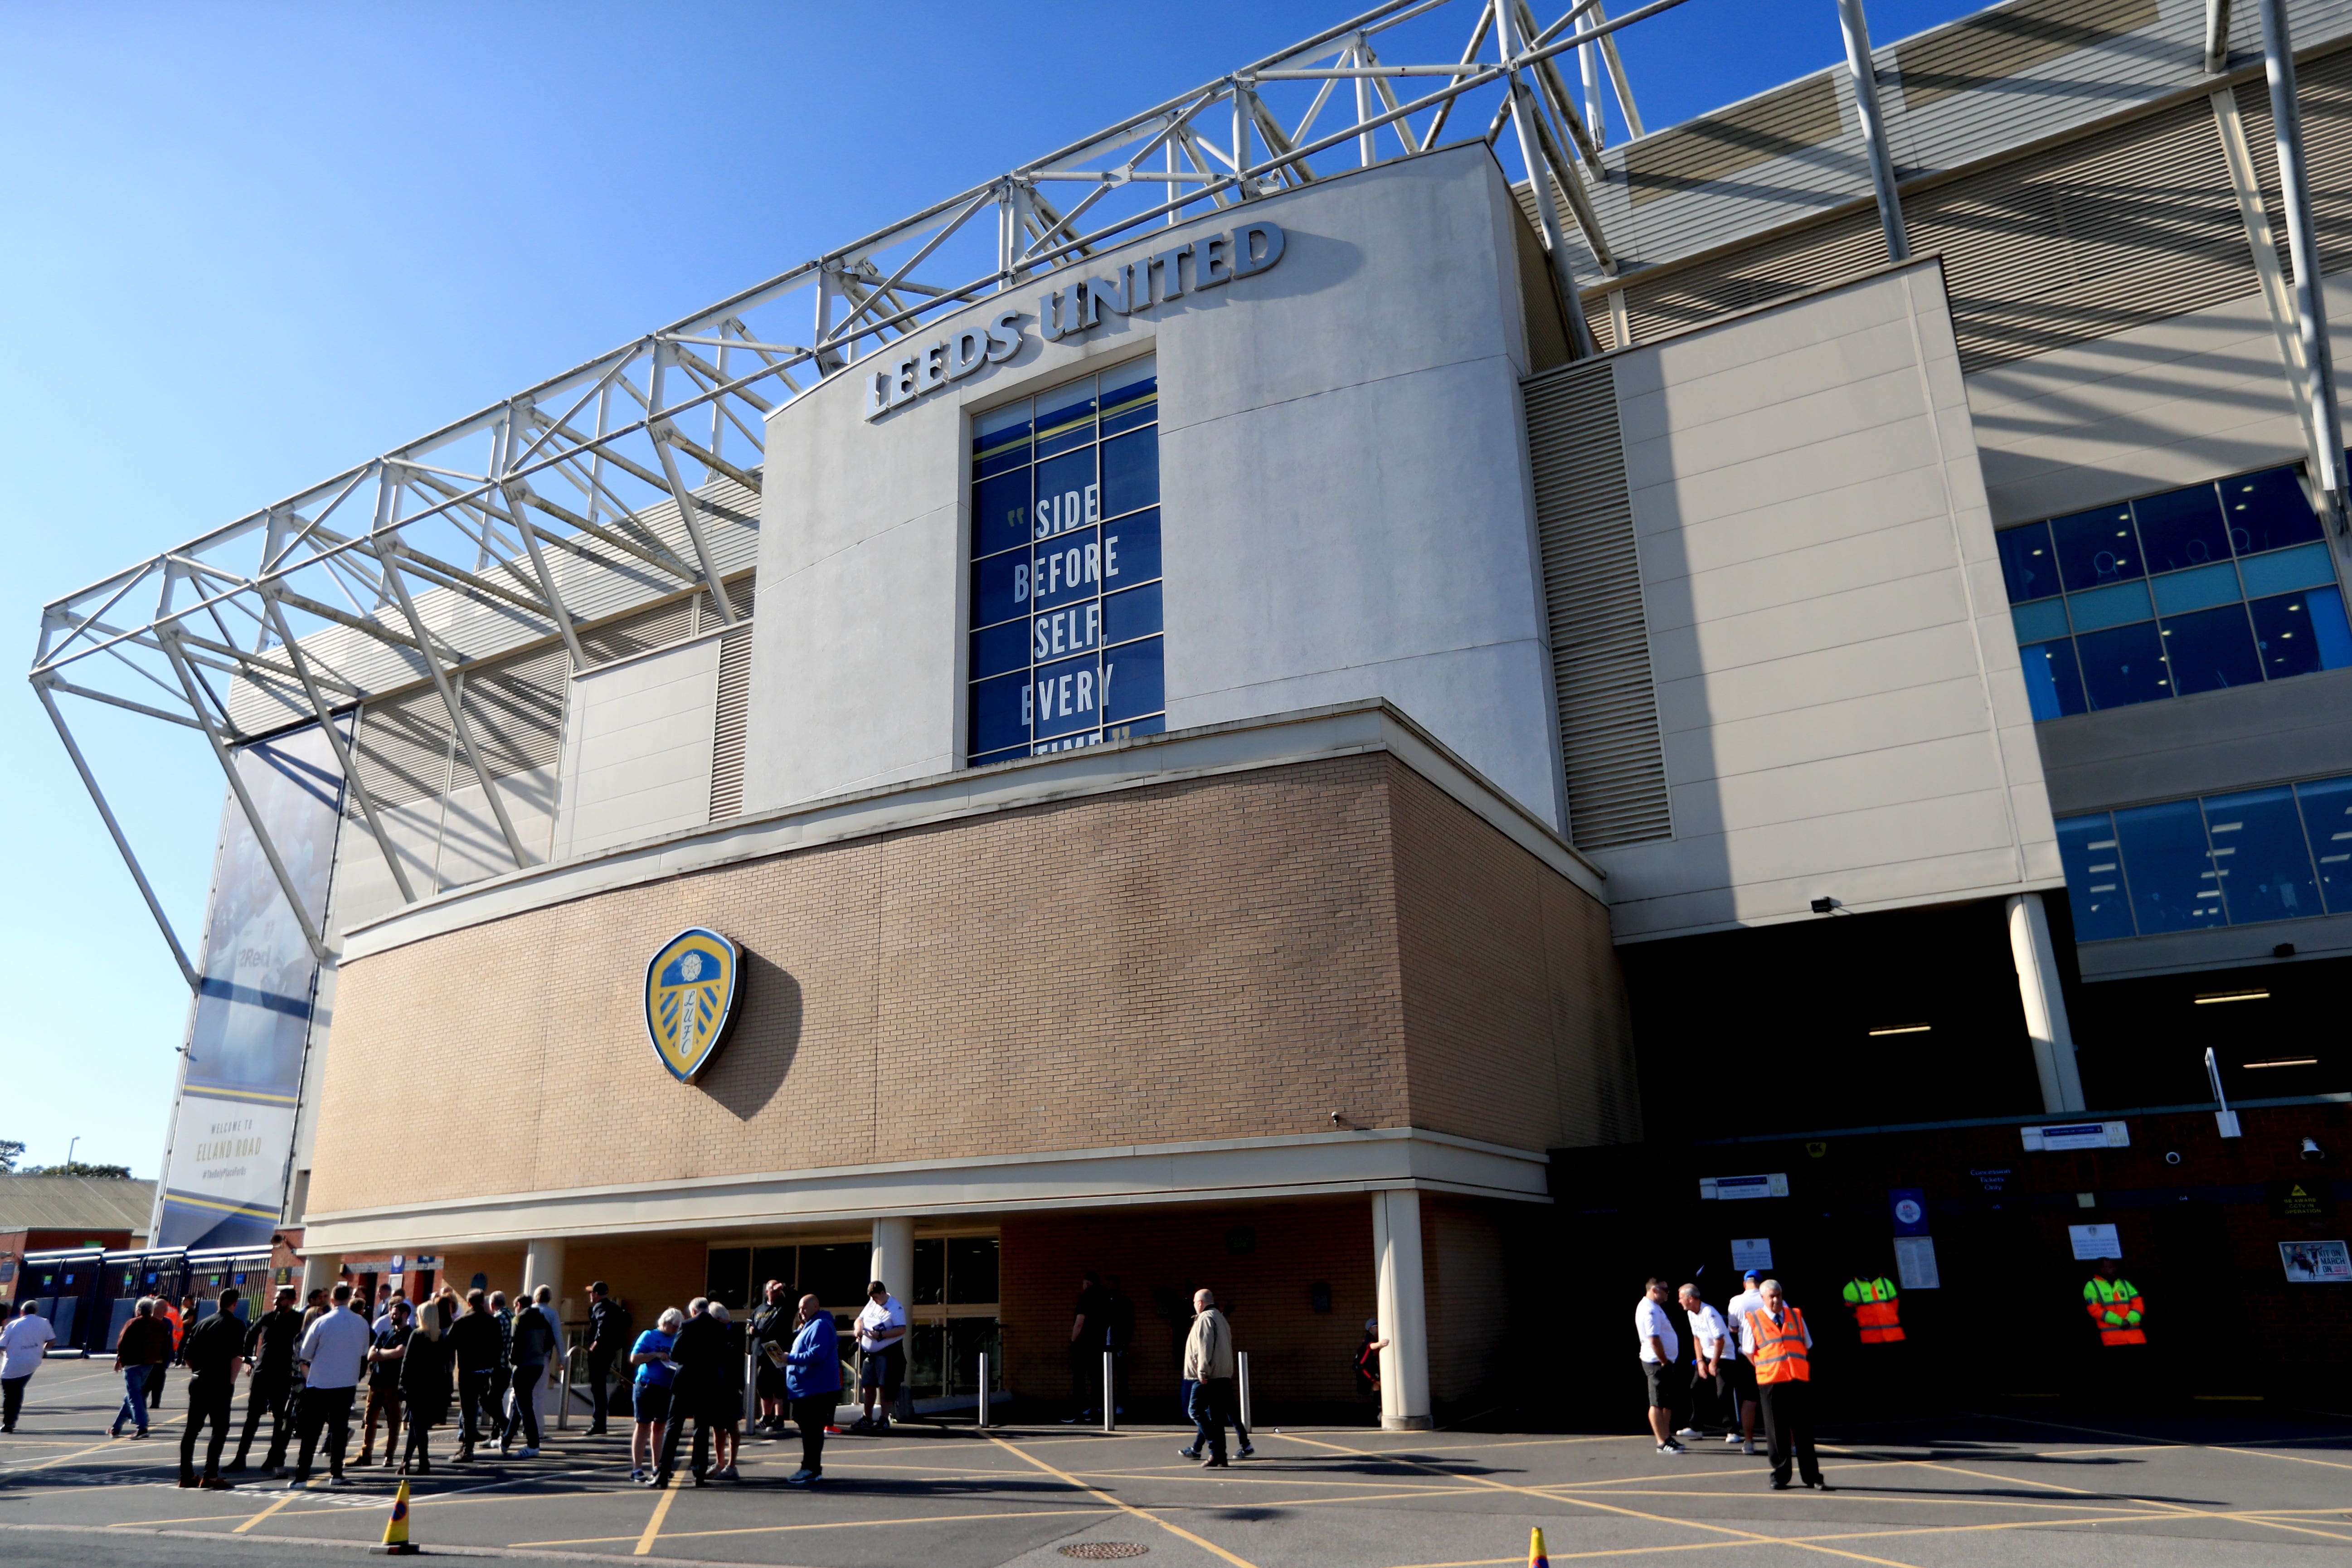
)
(650, 1396)
(813, 1380)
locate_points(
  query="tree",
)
(80, 1168)
(11, 1150)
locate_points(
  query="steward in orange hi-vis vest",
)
(1872, 1301)
(1779, 1354)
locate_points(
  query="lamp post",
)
(69, 1149)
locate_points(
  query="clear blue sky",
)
(250, 245)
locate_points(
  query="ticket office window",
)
(1065, 645)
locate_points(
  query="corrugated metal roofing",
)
(74, 1203)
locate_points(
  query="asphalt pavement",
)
(2242, 1486)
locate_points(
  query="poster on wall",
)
(241, 1071)
(2093, 1242)
(1914, 1263)
(2315, 1262)
(1751, 1252)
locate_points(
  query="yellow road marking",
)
(1746, 1535)
(833, 1524)
(1069, 1480)
(653, 1525)
(265, 1513)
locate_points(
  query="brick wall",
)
(1211, 958)
(1514, 1002)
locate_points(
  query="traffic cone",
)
(395, 1531)
(1535, 1558)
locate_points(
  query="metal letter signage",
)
(908, 376)
(690, 989)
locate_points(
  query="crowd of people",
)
(490, 1365)
(1755, 1354)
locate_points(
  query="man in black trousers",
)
(269, 1350)
(213, 1351)
(608, 1336)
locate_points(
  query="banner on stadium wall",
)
(241, 1072)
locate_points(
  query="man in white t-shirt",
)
(1717, 1371)
(333, 1349)
(882, 1360)
(1662, 1350)
(23, 1344)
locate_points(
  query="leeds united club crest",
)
(690, 989)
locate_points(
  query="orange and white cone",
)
(396, 1542)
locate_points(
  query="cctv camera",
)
(2312, 1151)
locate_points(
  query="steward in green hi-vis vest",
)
(1873, 1302)
(2114, 1305)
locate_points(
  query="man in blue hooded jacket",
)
(812, 1382)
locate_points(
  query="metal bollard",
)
(1110, 1391)
(984, 1389)
(1241, 1366)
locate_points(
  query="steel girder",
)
(634, 476)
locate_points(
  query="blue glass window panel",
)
(2177, 592)
(2283, 571)
(2116, 606)
(1056, 633)
(2268, 512)
(999, 648)
(2328, 625)
(2053, 686)
(2094, 877)
(2212, 650)
(999, 513)
(2181, 528)
(1065, 567)
(2123, 667)
(2041, 621)
(1066, 495)
(1070, 697)
(2295, 632)
(2327, 819)
(1000, 713)
(2027, 564)
(1131, 396)
(1136, 678)
(1000, 589)
(2262, 865)
(1131, 550)
(1130, 472)
(2096, 548)
(2172, 883)
(1132, 614)
(999, 440)
(1066, 418)
(1154, 725)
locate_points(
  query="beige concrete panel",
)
(1897, 663)
(1937, 711)
(363, 889)
(1716, 645)
(1673, 549)
(637, 748)
(1819, 572)
(2200, 744)
(1978, 874)
(1836, 786)
(1655, 402)
(473, 847)
(1737, 438)
(1796, 466)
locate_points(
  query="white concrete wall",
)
(1838, 683)
(636, 748)
(1343, 484)
(2191, 397)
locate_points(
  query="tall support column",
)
(1873, 126)
(2045, 1004)
(542, 1264)
(894, 1257)
(317, 1273)
(1403, 1311)
(2310, 308)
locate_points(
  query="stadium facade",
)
(1336, 735)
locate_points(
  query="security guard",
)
(2114, 1304)
(1873, 1304)
(1776, 1342)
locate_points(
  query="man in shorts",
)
(772, 1327)
(1661, 1350)
(882, 1344)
